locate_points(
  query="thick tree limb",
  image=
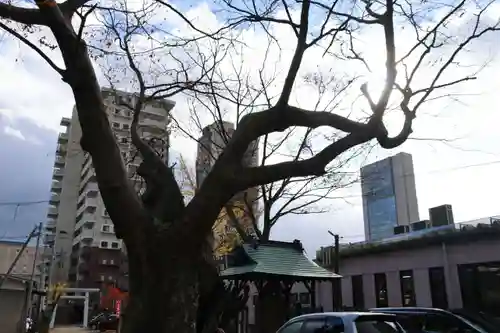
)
(122, 203)
(163, 197)
(314, 166)
(22, 15)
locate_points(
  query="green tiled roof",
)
(279, 259)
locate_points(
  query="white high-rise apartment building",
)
(81, 243)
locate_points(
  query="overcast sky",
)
(462, 171)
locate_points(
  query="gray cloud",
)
(26, 168)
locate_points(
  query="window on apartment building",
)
(114, 245)
(124, 140)
(381, 290)
(104, 244)
(358, 296)
(438, 288)
(116, 125)
(102, 277)
(105, 228)
(111, 261)
(104, 261)
(125, 126)
(407, 288)
(105, 213)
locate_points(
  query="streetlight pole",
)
(336, 286)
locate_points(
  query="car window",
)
(411, 323)
(334, 325)
(292, 328)
(445, 324)
(314, 325)
(375, 325)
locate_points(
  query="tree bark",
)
(163, 293)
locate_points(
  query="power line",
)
(22, 203)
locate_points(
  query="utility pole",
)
(33, 269)
(336, 286)
(9, 271)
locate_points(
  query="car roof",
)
(409, 310)
(349, 316)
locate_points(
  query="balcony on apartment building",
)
(55, 199)
(61, 150)
(53, 212)
(50, 226)
(88, 194)
(88, 206)
(84, 235)
(65, 121)
(87, 222)
(49, 238)
(59, 161)
(58, 173)
(56, 187)
(63, 137)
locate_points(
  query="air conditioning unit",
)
(420, 225)
(441, 215)
(401, 229)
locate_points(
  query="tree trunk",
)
(164, 284)
(163, 297)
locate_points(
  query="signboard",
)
(118, 307)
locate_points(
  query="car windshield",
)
(376, 324)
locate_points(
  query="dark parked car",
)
(104, 322)
(416, 319)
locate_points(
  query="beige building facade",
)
(24, 266)
(81, 246)
(457, 268)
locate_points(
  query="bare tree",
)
(253, 213)
(165, 282)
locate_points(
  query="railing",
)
(53, 211)
(62, 137)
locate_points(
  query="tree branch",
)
(33, 47)
(298, 55)
(28, 16)
(314, 166)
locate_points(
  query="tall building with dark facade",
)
(389, 195)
